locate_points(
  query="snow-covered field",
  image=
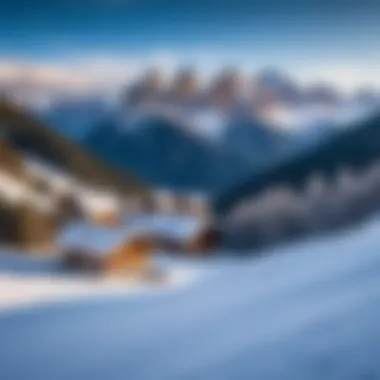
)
(306, 311)
(31, 281)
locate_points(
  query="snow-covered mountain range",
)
(184, 135)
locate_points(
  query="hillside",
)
(47, 181)
(354, 146)
(74, 117)
(166, 155)
(27, 218)
(255, 141)
(30, 136)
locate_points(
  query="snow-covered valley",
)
(309, 310)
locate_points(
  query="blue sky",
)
(293, 34)
(332, 29)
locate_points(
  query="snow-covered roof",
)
(100, 239)
(94, 200)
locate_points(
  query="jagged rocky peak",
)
(145, 89)
(185, 83)
(225, 87)
(272, 85)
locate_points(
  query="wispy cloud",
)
(93, 74)
(345, 76)
(106, 74)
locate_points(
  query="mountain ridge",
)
(353, 146)
(31, 135)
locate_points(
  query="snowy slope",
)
(31, 281)
(15, 191)
(90, 199)
(307, 311)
